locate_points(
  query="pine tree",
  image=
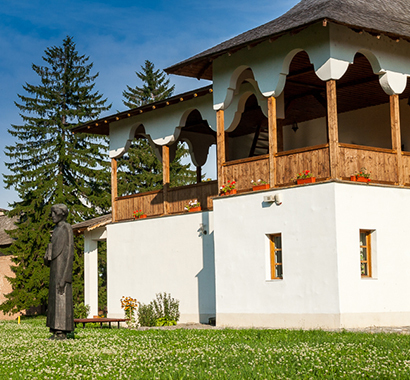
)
(155, 87)
(139, 169)
(50, 164)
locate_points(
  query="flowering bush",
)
(304, 174)
(129, 305)
(138, 214)
(363, 173)
(228, 187)
(258, 182)
(192, 204)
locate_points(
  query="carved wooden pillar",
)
(165, 176)
(114, 191)
(333, 130)
(221, 146)
(273, 139)
(396, 135)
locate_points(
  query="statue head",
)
(59, 212)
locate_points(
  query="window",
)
(365, 253)
(276, 267)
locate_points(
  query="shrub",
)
(146, 315)
(166, 309)
(81, 310)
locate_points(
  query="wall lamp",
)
(277, 198)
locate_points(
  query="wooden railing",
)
(245, 170)
(292, 162)
(203, 192)
(382, 163)
(151, 203)
(406, 168)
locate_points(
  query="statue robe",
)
(60, 254)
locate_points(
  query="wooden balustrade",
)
(151, 202)
(178, 197)
(292, 162)
(245, 170)
(406, 168)
(382, 163)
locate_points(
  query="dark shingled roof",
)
(91, 224)
(390, 17)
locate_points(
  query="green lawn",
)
(94, 353)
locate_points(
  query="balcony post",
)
(221, 146)
(333, 130)
(198, 174)
(396, 135)
(273, 139)
(114, 191)
(165, 177)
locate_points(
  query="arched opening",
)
(199, 142)
(304, 124)
(250, 138)
(363, 107)
(139, 169)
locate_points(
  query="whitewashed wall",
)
(321, 285)
(383, 299)
(167, 254)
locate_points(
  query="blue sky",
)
(118, 36)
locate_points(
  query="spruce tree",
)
(49, 164)
(155, 87)
(139, 169)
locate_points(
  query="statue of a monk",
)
(59, 257)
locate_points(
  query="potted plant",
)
(305, 177)
(138, 214)
(361, 176)
(260, 184)
(193, 206)
(229, 188)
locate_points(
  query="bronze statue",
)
(59, 257)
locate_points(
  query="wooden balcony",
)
(382, 163)
(152, 202)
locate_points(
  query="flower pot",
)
(194, 209)
(301, 181)
(261, 187)
(141, 216)
(355, 178)
(233, 191)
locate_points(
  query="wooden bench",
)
(99, 320)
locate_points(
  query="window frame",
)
(273, 257)
(368, 247)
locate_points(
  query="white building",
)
(322, 88)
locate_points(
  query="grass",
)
(94, 353)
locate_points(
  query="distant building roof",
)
(6, 224)
(375, 16)
(91, 224)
